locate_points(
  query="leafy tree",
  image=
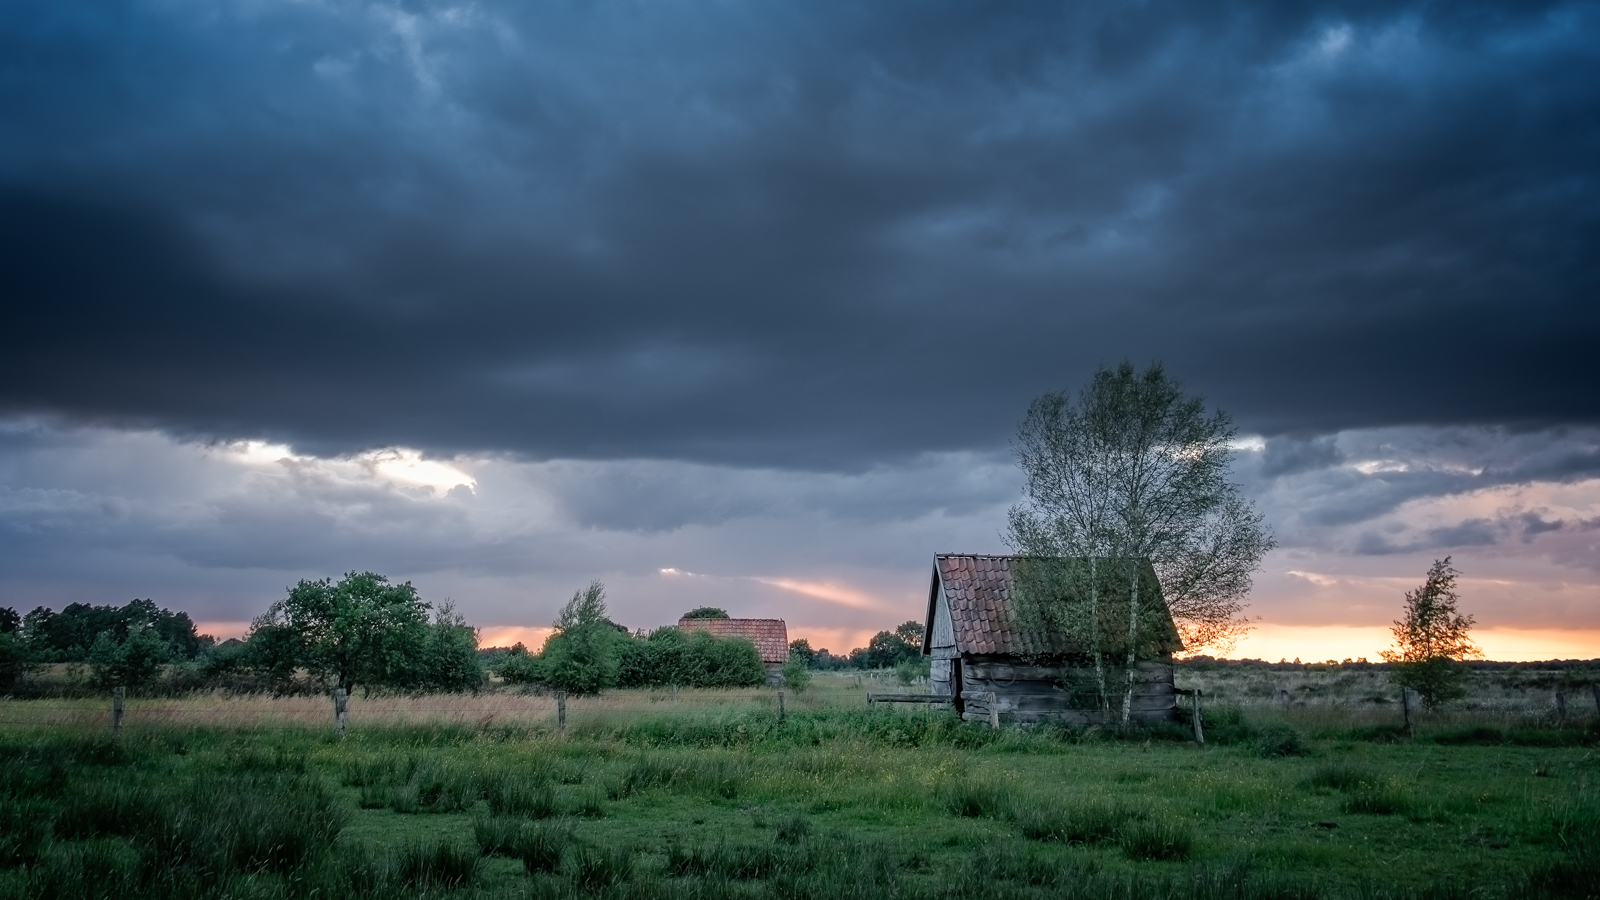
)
(911, 633)
(706, 612)
(802, 647)
(888, 649)
(581, 657)
(450, 659)
(362, 630)
(1433, 639)
(1132, 472)
(132, 662)
(16, 659)
(10, 622)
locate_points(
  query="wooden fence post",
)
(1199, 734)
(674, 693)
(994, 710)
(117, 696)
(780, 704)
(1594, 688)
(340, 698)
(561, 711)
(1408, 702)
(1561, 707)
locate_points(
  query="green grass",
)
(833, 802)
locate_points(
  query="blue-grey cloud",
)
(815, 235)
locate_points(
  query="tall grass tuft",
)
(594, 869)
(1340, 777)
(498, 835)
(512, 796)
(725, 861)
(1378, 798)
(1089, 822)
(975, 797)
(541, 845)
(436, 863)
(793, 829)
(1159, 839)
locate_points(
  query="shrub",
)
(797, 672)
(669, 656)
(1280, 741)
(518, 666)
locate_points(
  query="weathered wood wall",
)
(1032, 693)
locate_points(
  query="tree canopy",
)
(1130, 472)
(362, 630)
(1433, 638)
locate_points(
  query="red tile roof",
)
(980, 592)
(771, 636)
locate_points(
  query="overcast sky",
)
(740, 304)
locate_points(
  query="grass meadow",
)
(1307, 787)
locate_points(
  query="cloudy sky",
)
(740, 304)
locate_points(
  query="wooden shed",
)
(979, 649)
(771, 637)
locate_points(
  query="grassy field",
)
(709, 794)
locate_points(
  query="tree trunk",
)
(1133, 648)
(1101, 691)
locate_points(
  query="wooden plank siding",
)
(1032, 694)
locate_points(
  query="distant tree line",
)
(886, 650)
(360, 631)
(363, 632)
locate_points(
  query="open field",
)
(711, 795)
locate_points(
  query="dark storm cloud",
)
(820, 235)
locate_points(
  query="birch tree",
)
(1433, 639)
(1130, 472)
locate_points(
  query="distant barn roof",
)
(981, 592)
(771, 636)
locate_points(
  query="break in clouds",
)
(757, 294)
(222, 528)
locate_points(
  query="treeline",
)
(113, 641)
(362, 632)
(886, 650)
